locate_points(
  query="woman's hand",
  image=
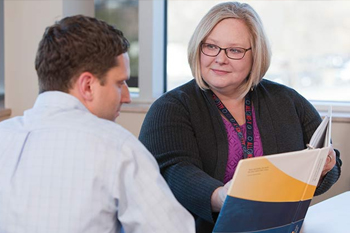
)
(218, 197)
(330, 162)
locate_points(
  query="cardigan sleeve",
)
(310, 120)
(309, 117)
(167, 132)
(331, 177)
(300, 119)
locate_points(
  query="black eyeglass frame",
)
(225, 49)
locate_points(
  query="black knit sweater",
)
(185, 132)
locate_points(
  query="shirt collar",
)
(59, 99)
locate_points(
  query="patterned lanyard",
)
(248, 145)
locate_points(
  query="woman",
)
(188, 129)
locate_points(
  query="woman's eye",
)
(236, 50)
(211, 46)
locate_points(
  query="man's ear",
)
(85, 84)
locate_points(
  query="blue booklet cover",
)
(271, 194)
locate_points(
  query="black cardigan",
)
(185, 132)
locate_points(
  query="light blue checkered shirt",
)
(63, 170)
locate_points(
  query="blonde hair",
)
(261, 50)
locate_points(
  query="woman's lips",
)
(220, 72)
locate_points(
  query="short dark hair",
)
(75, 45)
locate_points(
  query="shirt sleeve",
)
(145, 202)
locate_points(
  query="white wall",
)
(1, 47)
(131, 121)
(24, 24)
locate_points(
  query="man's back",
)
(63, 169)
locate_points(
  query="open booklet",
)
(271, 194)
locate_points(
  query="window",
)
(2, 65)
(143, 23)
(310, 47)
(123, 14)
(309, 39)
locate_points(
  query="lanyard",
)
(248, 145)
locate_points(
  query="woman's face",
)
(222, 74)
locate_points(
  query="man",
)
(65, 166)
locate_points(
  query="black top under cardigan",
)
(184, 131)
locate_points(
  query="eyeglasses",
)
(213, 50)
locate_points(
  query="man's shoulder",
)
(106, 129)
(115, 137)
(91, 129)
(84, 123)
(11, 123)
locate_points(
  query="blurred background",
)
(310, 41)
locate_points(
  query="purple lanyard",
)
(248, 145)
